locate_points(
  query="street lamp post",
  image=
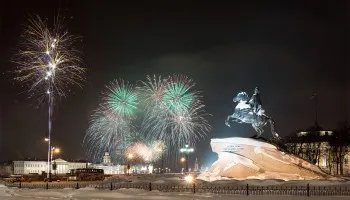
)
(160, 150)
(183, 160)
(54, 150)
(48, 140)
(50, 153)
(130, 157)
(186, 150)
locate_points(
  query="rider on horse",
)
(251, 112)
(255, 101)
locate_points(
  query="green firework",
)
(122, 98)
(177, 96)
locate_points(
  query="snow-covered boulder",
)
(247, 158)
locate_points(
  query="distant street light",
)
(56, 150)
(186, 150)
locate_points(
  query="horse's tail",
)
(273, 128)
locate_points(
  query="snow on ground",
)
(276, 182)
(95, 194)
(169, 178)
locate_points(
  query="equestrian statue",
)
(250, 111)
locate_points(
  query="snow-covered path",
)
(94, 194)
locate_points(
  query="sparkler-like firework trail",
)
(48, 62)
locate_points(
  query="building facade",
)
(315, 145)
(110, 169)
(62, 166)
(108, 166)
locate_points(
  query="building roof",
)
(314, 133)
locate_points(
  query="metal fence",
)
(305, 190)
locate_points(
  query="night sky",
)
(290, 50)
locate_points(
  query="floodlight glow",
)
(56, 150)
(189, 179)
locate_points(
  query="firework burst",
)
(145, 152)
(48, 63)
(176, 116)
(177, 95)
(152, 90)
(47, 59)
(107, 132)
(172, 112)
(111, 126)
(121, 97)
(179, 128)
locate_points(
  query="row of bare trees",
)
(331, 148)
(340, 144)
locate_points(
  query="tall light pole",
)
(52, 150)
(49, 151)
(130, 157)
(314, 98)
(160, 150)
(186, 150)
(50, 78)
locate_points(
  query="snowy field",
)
(95, 194)
(7, 193)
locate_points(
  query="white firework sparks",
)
(108, 132)
(174, 112)
(173, 116)
(48, 63)
(48, 60)
(145, 153)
